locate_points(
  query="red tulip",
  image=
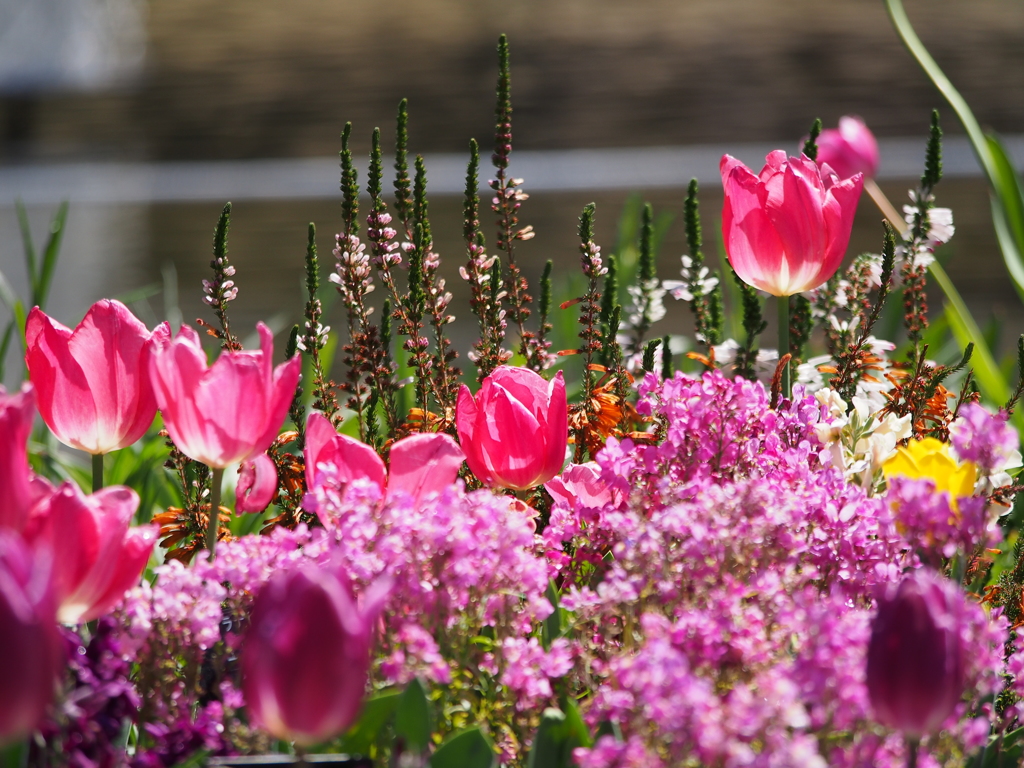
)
(515, 431)
(306, 655)
(30, 644)
(786, 231)
(92, 383)
(16, 414)
(97, 557)
(915, 666)
(849, 149)
(420, 464)
(225, 413)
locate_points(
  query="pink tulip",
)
(257, 484)
(16, 414)
(225, 413)
(92, 383)
(97, 557)
(30, 645)
(421, 464)
(515, 431)
(786, 231)
(580, 487)
(306, 655)
(849, 149)
(916, 657)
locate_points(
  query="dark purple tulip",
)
(30, 644)
(306, 655)
(915, 672)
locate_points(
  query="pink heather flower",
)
(228, 412)
(30, 644)
(97, 557)
(306, 655)
(421, 464)
(786, 231)
(849, 149)
(16, 414)
(92, 383)
(515, 431)
(916, 657)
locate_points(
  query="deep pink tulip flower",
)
(421, 464)
(30, 644)
(97, 557)
(916, 665)
(92, 383)
(228, 412)
(306, 655)
(515, 431)
(786, 231)
(849, 149)
(16, 414)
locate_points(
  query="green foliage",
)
(811, 145)
(557, 736)
(412, 717)
(377, 712)
(470, 748)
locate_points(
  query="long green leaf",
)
(1007, 197)
(986, 371)
(41, 288)
(466, 749)
(26, 241)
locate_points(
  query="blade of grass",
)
(26, 241)
(41, 287)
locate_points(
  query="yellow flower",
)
(930, 459)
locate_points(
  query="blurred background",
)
(147, 115)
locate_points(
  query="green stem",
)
(214, 522)
(97, 471)
(787, 388)
(14, 755)
(912, 744)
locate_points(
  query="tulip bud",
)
(515, 431)
(306, 655)
(915, 664)
(30, 645)
(92, 383)
(786, 230)
(849, 149)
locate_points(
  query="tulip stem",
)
(787, 388)
(912, 745)
(887, 208)
(214, 521)
(97, 471)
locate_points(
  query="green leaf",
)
(1007, 202)
(990, 378)
(41, 286)
(470, 748)
(377, 712)
(552, 627)
(26, 242)
(412, 718)
(557, 736)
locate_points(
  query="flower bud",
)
(306, 656)
(915, 664)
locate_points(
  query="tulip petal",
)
(556, 425)
(467, 416)
(751, 243)
(352, 459)
(511, 441)
(16, 490)
(839, 210)
(526, 386)
(131, 561)
(257, 484)
(797, 217)
(424, 464)
(62, 390)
